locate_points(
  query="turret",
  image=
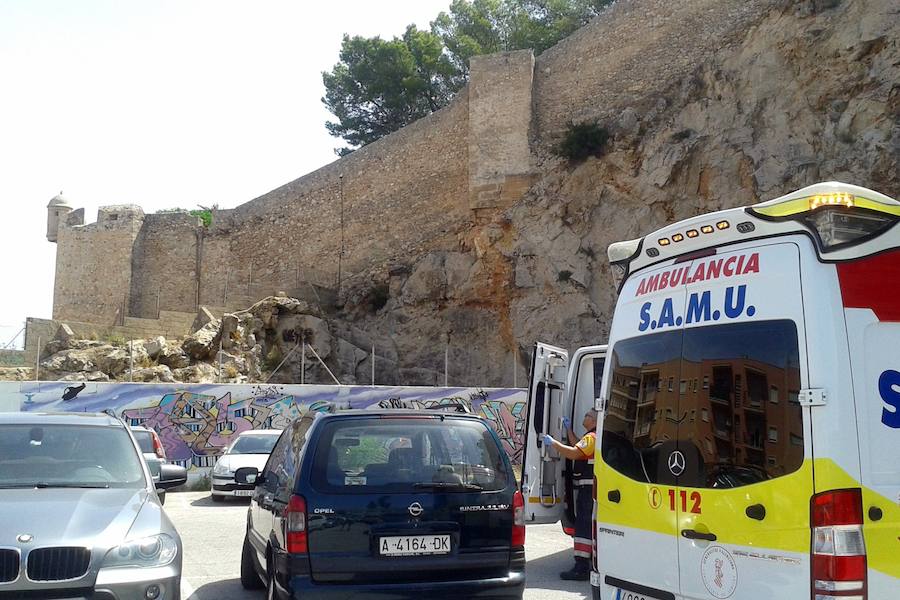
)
(57, 210)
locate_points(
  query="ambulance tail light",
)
(518, 529)
(839, 568)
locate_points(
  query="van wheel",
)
(249, 577)
(216, 498)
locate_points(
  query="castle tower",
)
(57, 210)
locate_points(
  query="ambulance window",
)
(751, 367)
(640, 407)
(749, 372)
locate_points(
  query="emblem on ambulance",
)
(718, 572)
(676, 463)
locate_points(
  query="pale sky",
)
(169, 103)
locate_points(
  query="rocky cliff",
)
(808, 91)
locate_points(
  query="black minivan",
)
(385, 504)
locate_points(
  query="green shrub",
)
(583, 140)
(204, 214)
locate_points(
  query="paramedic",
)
(582, 453)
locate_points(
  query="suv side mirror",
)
(171, 476)
(249, 475)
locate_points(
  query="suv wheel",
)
(249, 577)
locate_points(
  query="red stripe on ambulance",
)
(872, 283)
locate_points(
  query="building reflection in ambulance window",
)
(750, 374)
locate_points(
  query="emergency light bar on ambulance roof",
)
(846, 221)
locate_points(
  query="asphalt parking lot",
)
(212, 535)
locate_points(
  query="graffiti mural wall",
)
(197, 421)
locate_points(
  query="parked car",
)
(154, 453)
(385, 504)
(80, 515)
(249, 449)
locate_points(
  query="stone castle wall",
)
(408, 187)
(165, 265)
(93, 266)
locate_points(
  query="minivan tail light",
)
(839, 567)
(295, 526)
(157, 446)
(518, 528)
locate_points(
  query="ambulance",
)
(749, 399)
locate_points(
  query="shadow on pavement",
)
(543, 573)
(227, 589)
(207, 501)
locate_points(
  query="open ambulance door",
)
(582, 394)
(542, 469)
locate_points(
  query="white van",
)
(750, 407)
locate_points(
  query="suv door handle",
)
(692, 534)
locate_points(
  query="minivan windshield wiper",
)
(45, 484)
(443, 485)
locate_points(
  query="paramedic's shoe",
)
(580, 572)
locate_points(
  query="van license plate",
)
(243, 492)
(626, 595)
(413, 545)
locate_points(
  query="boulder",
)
(155, 346)
(197, 373)
(113, 361)
(71, 361)
(158, 374)
(204, 342)
(173, 357)
(228, 331)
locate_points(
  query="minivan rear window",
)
(403, 455)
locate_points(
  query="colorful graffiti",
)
(197, 421)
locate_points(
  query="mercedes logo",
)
(24, 538)
(415, 509)
(676, 463)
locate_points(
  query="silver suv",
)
(80, 514)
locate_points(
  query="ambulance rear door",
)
(636, 534)
(542, 484)
(742, 463)
(584, 385)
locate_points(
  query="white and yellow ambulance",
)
(750, 407)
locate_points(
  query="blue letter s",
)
(886, 384)
(645, 317)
